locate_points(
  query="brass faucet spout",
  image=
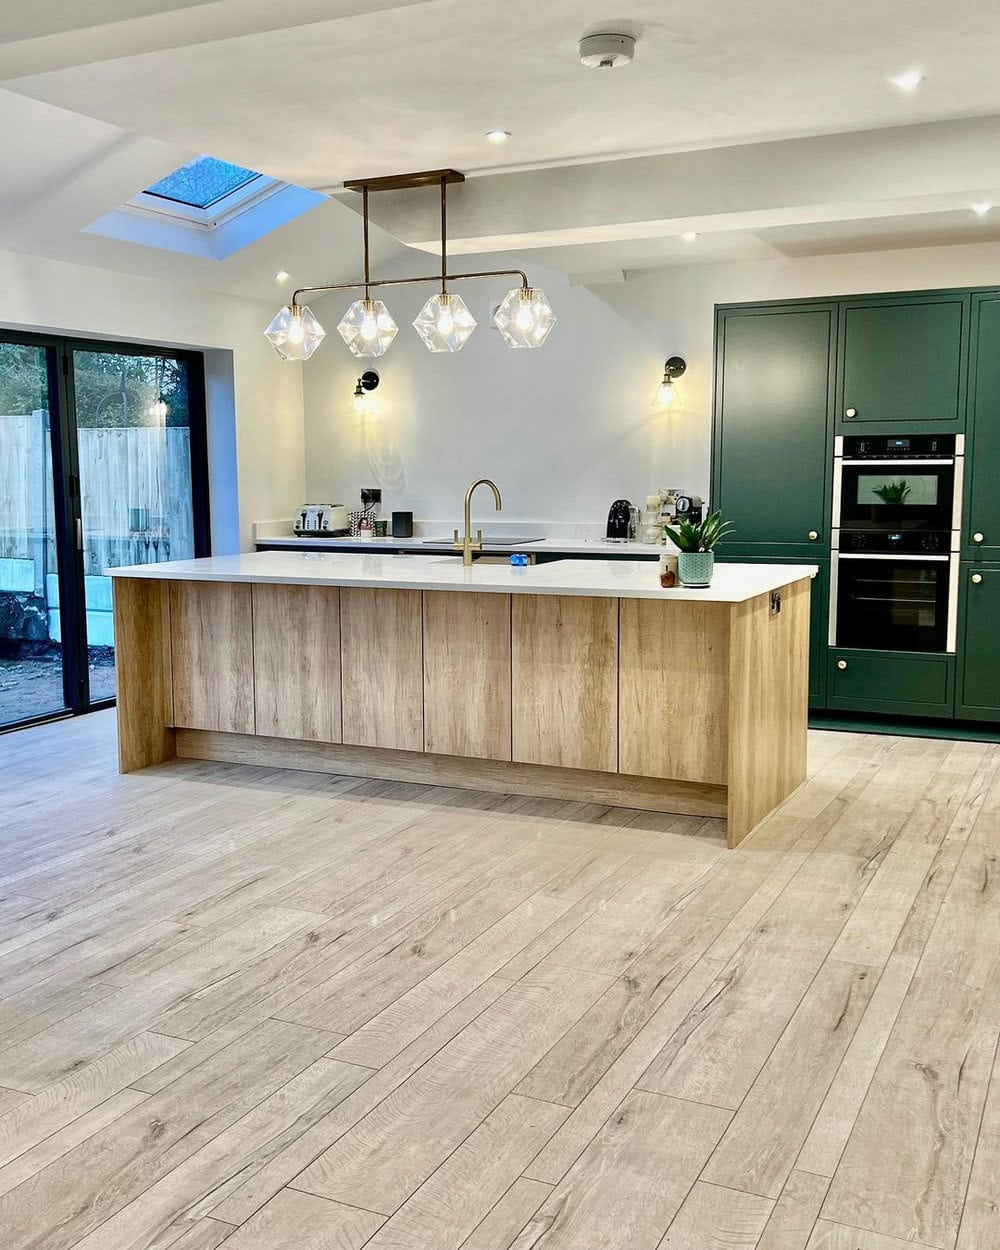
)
(470, 544)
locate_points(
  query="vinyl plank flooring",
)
(297, 1221)
(508, 1216)
(631, 1181)
(794, 1216)
(828, 1236)
(714, 1218)
(980, 1226)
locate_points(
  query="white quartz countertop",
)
(583, 546)
(616, 579)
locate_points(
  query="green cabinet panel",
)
(981, 513)
(819, 612)
(771, 464)
(902, 362)
(906, 682)
(978, 696)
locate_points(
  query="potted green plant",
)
(696, 547)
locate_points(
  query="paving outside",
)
(34, 686)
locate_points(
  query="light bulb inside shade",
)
(360, 401)
(665, 395)
(444, 323)
(524, 317)
(295, 333)
(367, 328)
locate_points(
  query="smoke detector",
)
(606, 51)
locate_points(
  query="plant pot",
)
(695, 568)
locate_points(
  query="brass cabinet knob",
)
(977, 537)
(813, 535)
(977, 578)
(851, 412)
(842, 664)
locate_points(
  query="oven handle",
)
(899, 464)
(883, 555)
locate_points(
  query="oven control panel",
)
(899, 446)
(911, 542)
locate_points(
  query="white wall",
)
(568, 428)
(254, 398)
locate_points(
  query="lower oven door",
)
(895, 602)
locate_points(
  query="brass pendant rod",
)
(444, 236)
(451, 277)
(368, 270)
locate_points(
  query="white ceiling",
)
(103, 97)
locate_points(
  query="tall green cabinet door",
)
(902, 362)
(773, 404)
(979, 629)
(981, 515)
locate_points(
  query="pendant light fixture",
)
(444, 322)
(367, 327)
(524, 317)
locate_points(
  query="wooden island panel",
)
(142, 673)
(565, 681)
(674, 690)
(296, 661)
(211, 647)
(382, 670)
(467, 674)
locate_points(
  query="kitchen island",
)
(575, 679)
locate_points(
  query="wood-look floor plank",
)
(628, 1185)
(714, 1218)
(207, 1234)
(508, 1216)
(392, 1151)
(980, 1226)
(794, 1216)
(297, 1221)
(450, 1204)
(830, 1236)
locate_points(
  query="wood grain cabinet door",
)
(382, 671)
(212, 656)
(467, 674)
(564, 688)
(296, 661)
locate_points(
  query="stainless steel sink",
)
(487, 542)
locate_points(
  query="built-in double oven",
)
(895, 543)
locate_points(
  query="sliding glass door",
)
(102, 464)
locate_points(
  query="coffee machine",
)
(620, 520)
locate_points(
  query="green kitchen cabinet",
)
(981, 512)
(773, 408)
(819, 613)
(902, 362)
(978, 696)
(906, 683)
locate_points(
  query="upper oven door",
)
(896, 495)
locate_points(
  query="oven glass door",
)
(893, 603)
(896, 495)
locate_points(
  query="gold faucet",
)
(469, 544)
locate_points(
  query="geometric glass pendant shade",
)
(444, 323)
(525, 317)
(367, 327)
(295, 335)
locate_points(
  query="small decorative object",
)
(696, 545)
(668, 570)
(381, 527)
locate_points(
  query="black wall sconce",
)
(363, 400)
(674, 368)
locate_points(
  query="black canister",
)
(402, 525)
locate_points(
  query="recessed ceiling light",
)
(690, 236)
(282, 276)
(909, 81)
(498, 136)
(981, 209)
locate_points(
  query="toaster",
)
(329, 519)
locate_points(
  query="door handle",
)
(977, 537)
(977, 578)
(813, 535)
(842, 664)
(79, 534)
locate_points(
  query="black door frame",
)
(67, 500)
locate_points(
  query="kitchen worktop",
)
(621, 579)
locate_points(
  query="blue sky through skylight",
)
(202, 182)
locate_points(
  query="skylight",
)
(203, 182)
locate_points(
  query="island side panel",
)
(565, 681)
(769, 681)
(211, 635)
(467, 674)
(296, 662)
(142, 673)
(382, 670)
(674, 689)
